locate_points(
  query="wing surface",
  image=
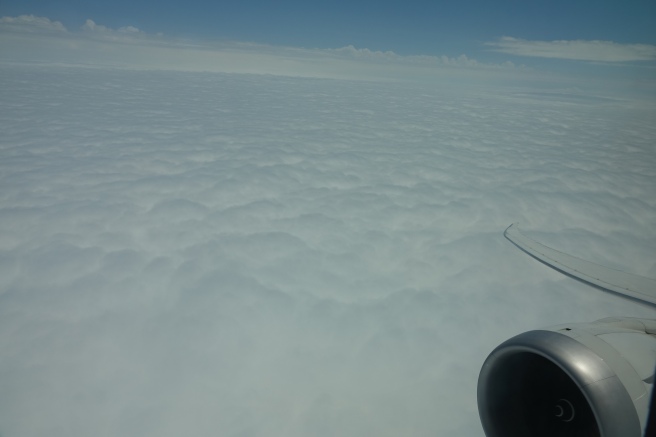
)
(634, 286)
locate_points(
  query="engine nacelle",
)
(580, 380)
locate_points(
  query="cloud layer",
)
(195, 253)
(32, 39)
(600, 51)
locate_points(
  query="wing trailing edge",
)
(616, 281)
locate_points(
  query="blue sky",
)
(405, 27)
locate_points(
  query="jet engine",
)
(580, 380)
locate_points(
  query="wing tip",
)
(514, 227)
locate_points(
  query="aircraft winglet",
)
(626, 284)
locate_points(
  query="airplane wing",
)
(633, 286)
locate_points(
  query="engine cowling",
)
(580, 380)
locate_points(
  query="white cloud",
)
(461, 61)
(91, 26)
(601, 51)
(128, 29)
(366, 53)
(183, 253)
(30, 23)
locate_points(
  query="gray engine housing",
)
(591, 379)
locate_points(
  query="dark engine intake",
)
(587, 380)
